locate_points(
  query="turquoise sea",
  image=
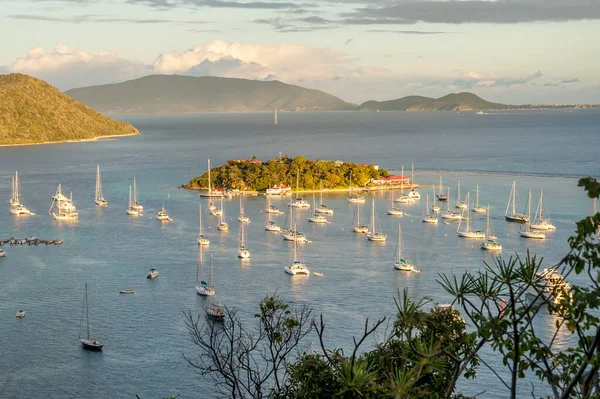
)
(144, 333)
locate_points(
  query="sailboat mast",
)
(399, 245)
(17, 186)
(541, 206)
(97, 180)
(295, 253)
(514, 196)
(209, 189)
(12, 194)
(373, 214)
(199, 262)
(487, 223)
(87, 314)
(130, 196)
(210, 276)
(199, 220)
(458, 193)
(529, 210)
(477, 195)
(135, 197)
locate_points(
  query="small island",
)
(256, 175)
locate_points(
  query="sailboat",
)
(399, 262)
(514, 216)
(467, 232)
(162, 215)
(100, 201)
(205, 289)
(357, 227)
(16, 207)
(131, 211)
(242, 217)
(88, 342)
(214, 311)
(490, 242)
(202, 240)
(275, 121)
(317, 217)
(428, 217)
(296, 266)
(450, 214)
(459, 204)
(243, 252)
(291, 234)
(404, 198)
(391, 209)
(441, 197)
(135, 203)
(413, 193)
(354, 198)
(477, 208)
(322, 208)
(210, 193)
(540, 221)
(63, 207)
(434, 208)
(528, 233)
(222, 226)
(269, 224)
(373, 234)
(299, 202)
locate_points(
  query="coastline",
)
(326, 190)
(98, 138)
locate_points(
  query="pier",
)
(29, 241)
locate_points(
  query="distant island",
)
(33, 112)
(256, 175)
(176, 94)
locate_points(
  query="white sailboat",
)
(136, 204)
(477, 208)
(467, 232)
(357, 227)
(87, 341)
(210, 193)
(204, 288)
(514, 216)
(242, 216)
(202, 239)
(354, 198)
(299, 202)
(131, 211)
(490, 242)
(404, 198)
(391, 209)
(373, 234)
(434, 208)
(527, 232)
(441, 197)
(16, 207)
(100, 201)
(243, 251)
(62, 208)
(428, 217)
(291, 234)
(269, 224)
(413, 193)
(317, 217)
(399, 262)
(459, 203)
(450, 214)
(296, 266)
(322, 208)
(541, 221)
(222, 226)
(214, 310)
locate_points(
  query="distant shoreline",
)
(98, 138)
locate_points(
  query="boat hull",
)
(431, 220)
(516, 218)
(91, 344)
(471, 234)
(533, 234)
(361, 229)
(205, 290)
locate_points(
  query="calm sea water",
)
(144, 334)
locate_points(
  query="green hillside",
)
(452, 102)
(175, 94)
(32, 111)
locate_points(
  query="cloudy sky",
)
(514, 51)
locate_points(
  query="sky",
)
(510, 51)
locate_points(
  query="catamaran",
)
(514, 216)
(269, 224)
(450, 214)
(222, 226)
(136, 204)
(202, 239)
(373, 234)
(527, 232)
(296, 266)
(242, 217)
(477, 208)
(63, 207)
(100, 201)
(16, 207)
(459, 203)
(354, 198)
(243, 252)
(210, 193)
(490, 242)
(131, 211)
(441, 197)
(88, 342)
(428, 217)
(322, 208)
(399, 262)
(541, 221)
(204, 288)
(467, 232)
(357, 227)
(299, 202)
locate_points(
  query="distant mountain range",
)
(175, 94)
(32, 111)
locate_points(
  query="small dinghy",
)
(126, 292)
(21, 314)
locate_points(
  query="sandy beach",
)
(110, 137)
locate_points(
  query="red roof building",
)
(391, 180)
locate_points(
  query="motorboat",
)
(550, 288)
(19, 210)
(126, 292)
(318, 274)
(162, 216)
(63, 207)
(152, 274)
(2, 253)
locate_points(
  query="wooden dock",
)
(29, 241)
